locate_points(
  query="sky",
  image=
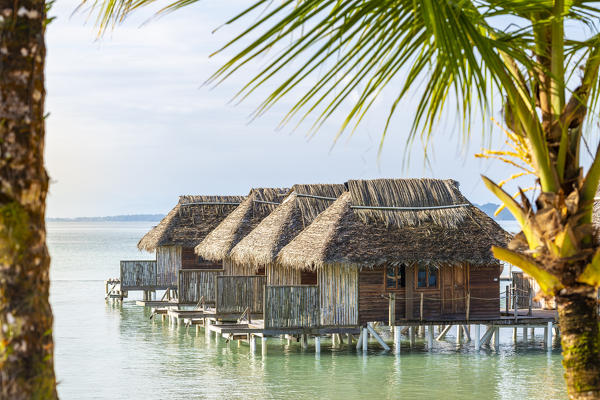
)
(131, 125)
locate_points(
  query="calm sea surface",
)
(115, 352)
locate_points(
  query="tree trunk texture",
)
(26, 345)
(580, 337)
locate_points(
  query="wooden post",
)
(359, 342)
(263, 345)
(468, 305)
(421, 308)
(365, 339)
(516, 303)
(430, 337)
(477, 337)
(549, 338)
(497, 338)
(409, 292)
(443, 332)
(515, 334)
(304, 341)
(412, 336)
(378, 338)
(459, 334)
(530, 313)
(397, 341)
(507, 296)
(525, 334)
(392, 309)
(252, 343)
(317, 344)
(487, 336)
(350, 339)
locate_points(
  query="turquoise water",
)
(105, 351)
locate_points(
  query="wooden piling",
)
(365, 339)
(317, 344)
(397, 340)
(477, 337)
(430, 337)
(497, 338)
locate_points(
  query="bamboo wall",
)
(138, 275)
(338, 291)
(291, 307)
(195, 283)
(168, 262)
(236, 293)
(277, 275)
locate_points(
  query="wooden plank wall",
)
(338, 291)
(168, 262)
(291, 306)
(372, 305)
(235, 293)
(189, 260)
(138, 275)
(485, 291)
(277, 275)
(195, 283)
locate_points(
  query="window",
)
(395, 276)
(427, 277)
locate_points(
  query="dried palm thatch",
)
(258, 204)
(303, 204)
(353, 236)
(189, 221)
(596, 214)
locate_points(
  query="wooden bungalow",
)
(406, 249)
(259, 249)
(217, 245)
(175, 237)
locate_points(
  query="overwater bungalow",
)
(173, 241)
(401, 249)
(217, 245)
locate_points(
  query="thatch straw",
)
(258, 204)
(433, 201)
(189, 221)
(596, 212)
(260, 247)
(344, 235)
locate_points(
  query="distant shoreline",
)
(113, 218)
(488, 208)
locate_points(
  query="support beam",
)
(412, 338)
(397, 340)
(497, 338)
(477, 337)
(350, 338)
(515, 334)
(524, 334)
(465, 329)
(252, 344)
(443, 333)
(430, 337)
(487, 336)
(378, 338)
(365, 339)
(359, 342)
(304, 341)
(549, 338)
(263, 345)
(459, 334)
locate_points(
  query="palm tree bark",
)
(26, 345)
(580, 339)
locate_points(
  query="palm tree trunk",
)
(580, 337)
(26, 345)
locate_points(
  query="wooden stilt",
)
(412, 338)
(459, 334)
(515, 334)
(263, 345)
(497, 338)
(430, 337)
(304, 341)
(525, 334)
(365, 339)
(466, 332)
(359, 342)
(350, 339)
(397, 341)
(252, 343)
(487, 336)
(443, 333)
(477, 337)
(378, 338)
(317, 344)
(549, 338)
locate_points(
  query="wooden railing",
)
(138, 275)
(195, 283)
(291, 306)
(236, 293)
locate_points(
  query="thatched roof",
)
(298, 210)
(426, 220)
(189, 221)
(596, 213)
(258, 204)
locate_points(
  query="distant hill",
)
(490, 209)
(112, 218)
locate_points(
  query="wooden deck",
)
(257, 328)
(538, 317)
